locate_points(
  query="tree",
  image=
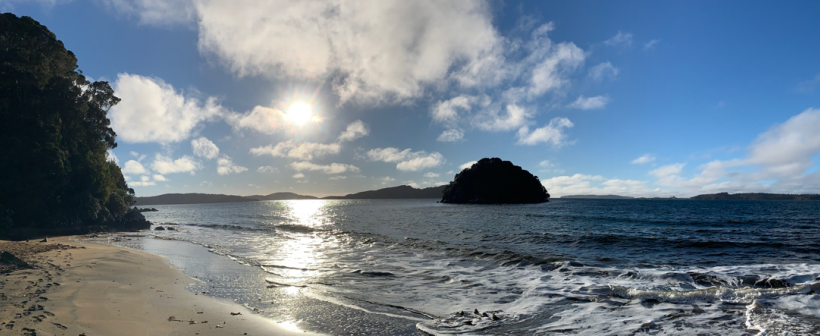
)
(494, 181)
(54, 136)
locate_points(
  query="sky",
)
(636, 98)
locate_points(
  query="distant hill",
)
(404, 191)
(281, 196)
(191, 199)
(598, 196)
(758, 197)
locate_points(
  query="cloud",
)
(450, 135)
(385, 180)
(160, 178)
(580, 184)
(515, 117)
(302, 151)
(153, 111)
(133, 167)
(110, 156)
(621, 39)
(267, 169)
(333, 168)
(431, 175)
(421, 162)
(603, 71)
(204, 148)
(298, 175)
(407, 159)
(646, 158)
(651, 44)
(355, 130)
(335, 178)
(810, 85)
(261, 119)
(166, 165)
(139, 156)
(467, 165)
(552, 133)
(446, 112)
(157, 13)
(225, 166)
(144, 181)
(377, 51)
(590, 103)
(668, 170)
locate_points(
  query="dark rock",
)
(159, 228)
(493, 181)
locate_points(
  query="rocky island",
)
(494, 181)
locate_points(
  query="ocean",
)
(570, 266)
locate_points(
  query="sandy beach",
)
(94, 289)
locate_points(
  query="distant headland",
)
(399, 192)
(724, 196)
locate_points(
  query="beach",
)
(80, 288)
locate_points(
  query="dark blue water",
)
(593, 267)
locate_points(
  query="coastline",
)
(100, 289)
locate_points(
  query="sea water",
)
(589, 267)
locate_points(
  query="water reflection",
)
(297, 255)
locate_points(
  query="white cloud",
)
(668, 170)
(603, 71)
(407, 159)
(139, 156)
(153, 12)
(809, 85)
(335, 178)
(550, 73)
(515, 117)
(267, 169)
(422, 162)
(450, 135)
(261, 119)
(651, 44)
(160, 178)
(621, 39)
(109, 156)
(590, 103)
(385, 180)
(552, 133)
(579, 184)
(145, 181)
(298, 175)
(355, 130)
(166, 165)
(153, 111)
(333, 168)
(381, 50)
(204, 148)
(133, 167)
(446, 112)
(302, 151)
(467, 165)
(225, 166)
(646, 158)
(431, 175)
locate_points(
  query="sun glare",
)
(299, 113)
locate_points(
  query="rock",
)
(159, 228)
(494, 181)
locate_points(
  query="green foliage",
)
(54, 135)
(493, 181)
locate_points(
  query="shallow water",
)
(592, 267)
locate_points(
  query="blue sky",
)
(594, 97)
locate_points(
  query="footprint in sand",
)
(48, 313)
(10, 325)
(60, 326)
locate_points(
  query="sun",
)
(299, 113)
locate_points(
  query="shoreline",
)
(100, 289)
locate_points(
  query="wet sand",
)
(95, 289)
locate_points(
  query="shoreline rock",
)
(494, 181)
